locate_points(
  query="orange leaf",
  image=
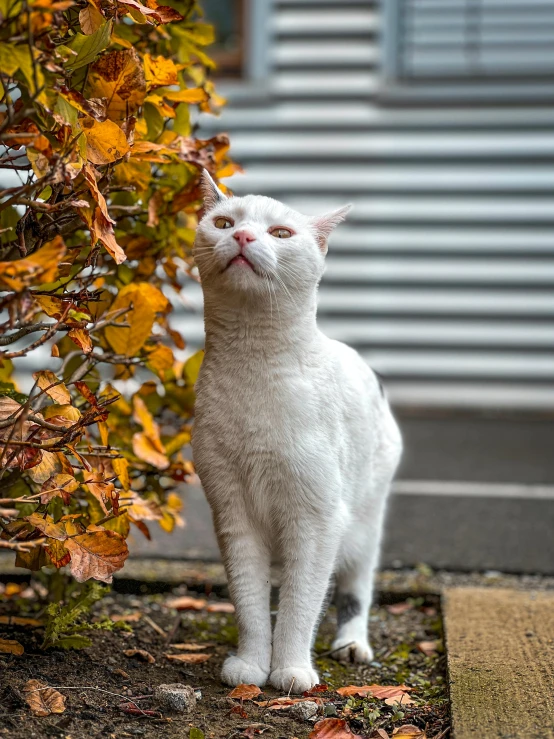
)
(57, 553)
(220, 608)
(400, 700)
(429, 648)
(159, 71)
(332, 728)
(47, 526)
(100, 488)
(96, 554)
(191, 647)
(106, 142)
(409, 731)
(127, 617)
(141, 654)
(244, 692)
(21, 621)
(276, 704)
(43, 700)
(119, 77)
(102, 230)
(193, 659)
(186, 603)
(38, 268)
(11, 646)
(377, 691)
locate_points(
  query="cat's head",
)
(244, 243)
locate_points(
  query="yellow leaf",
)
(143, 416)
(191, 95)
(140, 509)
(56, 389)
(58, 554)
(38, 268)
(146, 450)
(104, 433)
(43, 700)
(47, 526)
(11, 646)
(63, 411)
(119, 77)
(49, 465)
(139, 319)
(81, 337)
(58, 486)
(102, 230)
(160, 360)
(96, 554)
(90, 19)
(159, 71)
(106, 142)
(121, 469)
(192, 368)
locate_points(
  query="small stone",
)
(304, 711)
(176, 696)
(330, 709)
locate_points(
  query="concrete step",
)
(292, 22)
(500, 662)
(324, 54)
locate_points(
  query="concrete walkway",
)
(500, 646)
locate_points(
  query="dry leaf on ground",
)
(398, 608)
(21, 621)
(43, 700)
(377, 691)
(127, 617)
(191, 647)
(318, 688)
(220, 608)
(276, 704)
(400, 700)
(193, 659)
(409, 731)
(245, 692)
(11, 646)
(141, 654)
(429, 648)
(332, 728)
(381, 733)
(186, 603)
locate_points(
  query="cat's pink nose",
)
(243, 238)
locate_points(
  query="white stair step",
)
(446, 178)
(332, 21)
(330, 85)
(326, 54)
(464, 395)
(289, 145)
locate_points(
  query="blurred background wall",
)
(435, 119)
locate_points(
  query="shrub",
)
(96, 228)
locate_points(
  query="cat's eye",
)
(222, 222)
(281, 233)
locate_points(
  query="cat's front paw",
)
(236, 671)
(347, 650)
(293, 679)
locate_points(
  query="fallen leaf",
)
(239, 710)
(127, 617)
(398, 608)
(381, 733)
(11, 646)
(186, 603)
(409, 731)
(220, 608)
(97, 554)
(21, 621)
(191, 647)
(377, 691)
(332, 728)
(249, 732)
(141, 654)
(400, 700)
(245, 692)
(429, 648)
(277, 704)
(192, 659)
(318, 688)
(43, 700)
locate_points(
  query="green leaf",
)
(9, 391)
(66, 111)
(196, 733)
(89, 47)
(73, 642)
(154, 121)
(181, 124)
(192, 368)
(15, 58)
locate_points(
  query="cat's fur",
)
(294, 441)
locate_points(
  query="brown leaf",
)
(245, 692)
(381, 733)
(409, 731)
(400, 700)
(96, 554)
(193, 647)
(186, 603)
(398, 609)
(277, 704)
(377, 691)
(43, 700)
(90, 19)
(47, 526)
(127, 617)
(100, 488)
(141, 654)
(429, 648)
(119, 77)
(80, 336)
(102, 230)
(58, 486)
(318, 688)
(58, 554)
(332, 728)
(192, 659)
(11, 646)
(49, 465)
(220, 608)
(21, 621)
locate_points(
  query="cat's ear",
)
(325, 224)
(211, 194)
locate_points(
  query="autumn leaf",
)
(186, 603)
(193, 659)
(127, 617)
(47, 526)
(99, 487)
(106, 142)
(40, 267)
(278, 704)
(11, 646)
(119, 77)
(57, 553)
(97, 554)
(102, 230)
(141, 654)
(56, 389)
(159, 71)
(121, 469)
(139, 319)
(332, 728)
(220, 608)
(245, 692)
(49, 465)
(192, 368)
(377, 691)
(399, 608)
(90, 19)
(58, 486)
(409, 731)
(43, 700)
(400, 700)
(31, 623)
(192, 646)
(429, 648)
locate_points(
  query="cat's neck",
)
(240, 323)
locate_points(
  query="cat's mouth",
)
(241, 261)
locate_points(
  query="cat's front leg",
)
(307, 569)
(247, 563)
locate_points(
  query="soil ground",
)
(395, 632)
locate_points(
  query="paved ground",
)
(500, 647)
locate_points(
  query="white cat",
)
(294, 441)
